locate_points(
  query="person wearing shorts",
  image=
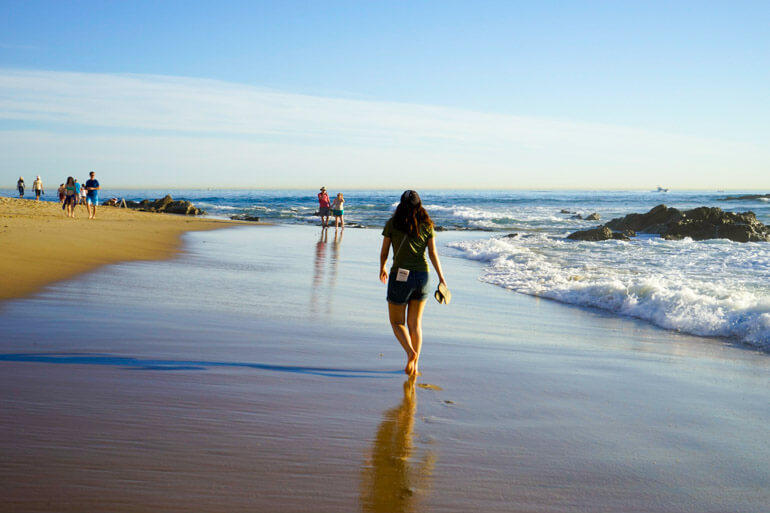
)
(323, 207)
(38, 186)
(409, 232)
(70, 197)
(92, 194)
(83, 196)
(338, 209)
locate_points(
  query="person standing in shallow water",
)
(410, 233)
(323, 207)
(38, 186)
(338, 210)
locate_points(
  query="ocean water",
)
(712, 288)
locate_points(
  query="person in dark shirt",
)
(410, 233)
(92, 196)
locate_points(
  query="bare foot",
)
(411, 365)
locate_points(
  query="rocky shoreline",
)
(166, 205)
(700, 223)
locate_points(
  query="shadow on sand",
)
(177, 365)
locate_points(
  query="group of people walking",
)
(37, 185)
(70, 193)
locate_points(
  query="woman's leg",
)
(397, 315)
(414, 323)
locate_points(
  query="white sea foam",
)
(214, 206)
(716, 288)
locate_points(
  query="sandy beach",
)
(256, 371)
(40, 244)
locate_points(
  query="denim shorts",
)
(415, 288)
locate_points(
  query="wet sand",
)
(257, 372)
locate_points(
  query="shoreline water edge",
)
(714, 288)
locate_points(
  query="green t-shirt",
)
(409, 252)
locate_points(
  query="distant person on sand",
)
(323, 207)
(338, 209)
(92, 195)
(70, 196)
(77, 192)
(38, 186)
(410, 232)
(61, 194)
(20, 186)
(83, 196)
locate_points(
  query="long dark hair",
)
(410, 214)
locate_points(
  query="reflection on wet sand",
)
(335, 258)
(321, 294)
(320, 259)
(392, 479)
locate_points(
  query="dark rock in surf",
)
(700, 223)
(595, 234)
(746, 197)
(654, 221)
(244, 217)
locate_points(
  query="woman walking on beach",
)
(338, 209)
(70, 197)
(410, 232)
(20, 186)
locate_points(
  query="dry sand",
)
(41, 245)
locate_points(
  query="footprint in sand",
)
(428, 386)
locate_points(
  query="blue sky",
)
(387, 94)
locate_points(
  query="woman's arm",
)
(384, 259)
(433, 254)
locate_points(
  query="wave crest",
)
(633, 279)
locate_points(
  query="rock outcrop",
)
(167, 205)
(594, 234)
(698, 224)
(601, 233)
(747, 197)
(244, 217)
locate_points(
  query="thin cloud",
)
(300, 131)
